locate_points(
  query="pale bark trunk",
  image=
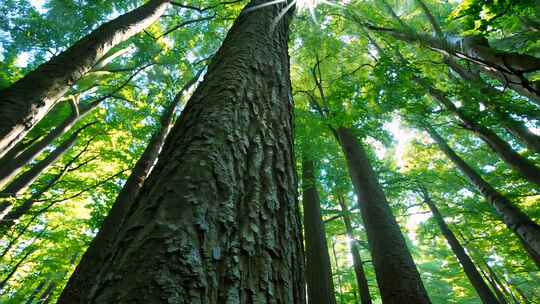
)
(26, 102)
(520, 164)
(320, 286)
(397, 276)
(480, 286)
(217, 219)
(361, 280)
(518, 222)
(80, 282)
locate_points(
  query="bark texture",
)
(520, 164)
(91, 262)
(474, 276)
(397, 276)
(217, 219)
(320, 285)
(26, 102)
(361, 280)
(518, 222)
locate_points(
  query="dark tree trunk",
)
(523, 166)
(518, 222)
(397, 275)
(480, 286)
(27, 178)
(512, 125)
(88, 268)
(26, 102)
(320, 286)
(361, 280)
(217, 219)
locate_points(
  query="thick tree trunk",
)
(361, 280)
(480, 286)
(518, 222)
(27, 178)
(26, 102)
(513, 126)
(217, 219)
(523, 166)
(88, 268)
(320, 286)
(397, 275)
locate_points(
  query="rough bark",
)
(217, 219)
(27, 178)
(520, 164)
(91, 262)
(474, 276)
(512, 125)
(361, 280)
(26, 101)
(320, 285)
(397, 275)
(518, 222)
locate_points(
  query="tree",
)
(26, 101)
(320, 288)
(223, 208)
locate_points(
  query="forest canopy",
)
(288, 151)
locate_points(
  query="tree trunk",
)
(520, 164)
(320, 286)
(361, 280)
(513, 126)
(27, 178)
(397, 276)
(34, 293)
(518, 222)
(26, 102)
(217, 219)
(469, 268)
(89, 266)
(46, 296)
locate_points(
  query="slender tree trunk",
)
(338, 272)
(17, 150)
(46, 296)
(469, 268)
(520, 164)
(27, 178)
(361, 280)
(14, 269)
(320, 286)
(34, 293)
(217, 219)
(26, 102)
(397, 275)
(81, 280)
(518, 222)
(513, 126)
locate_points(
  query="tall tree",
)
(466, 262)
(397, 275)
(518, 222)
(217, 219)
(320, 286)
(25, 102)
(361, 280)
